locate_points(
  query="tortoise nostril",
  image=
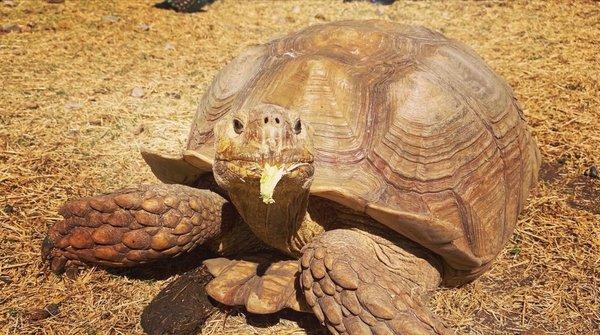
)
(277, 120)
(266, 120)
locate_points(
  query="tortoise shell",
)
(409, 127)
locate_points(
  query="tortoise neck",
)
(281, 224)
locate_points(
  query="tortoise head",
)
(264, 160)
(262, 142)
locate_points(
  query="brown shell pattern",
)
(410, 127)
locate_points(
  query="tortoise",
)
(184, 6)
(368, 162)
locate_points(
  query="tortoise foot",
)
(260, 283)
(352, 291)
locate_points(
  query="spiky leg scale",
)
(351, 291)
(135, 226)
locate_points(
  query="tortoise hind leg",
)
(136, 226)
(360, 283)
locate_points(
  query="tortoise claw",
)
(49, 254)
(58, 264)
(47, 247)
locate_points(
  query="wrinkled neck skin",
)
(284, 224)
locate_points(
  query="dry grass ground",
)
(69, 127)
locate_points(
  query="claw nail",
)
(47, 246)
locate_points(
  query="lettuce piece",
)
(269, 178)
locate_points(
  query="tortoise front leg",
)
(361, 283)
(136, 226)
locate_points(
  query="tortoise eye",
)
(298, 127)
(238, 126)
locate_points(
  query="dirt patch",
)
(550, 172)
(181, 308)
(584, 192)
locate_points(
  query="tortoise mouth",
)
(281, 159)
(246, 169)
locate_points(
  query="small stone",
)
(140, 129)
(44, 313)
(52, 309)
(320, 17)
(6, 279)
(32, 105)
(137, 92)
(10, 27)
(8, 209)
(9, 3)
(38, 314)
(73, 105)
(169, 46)
(72, 272)
(111, 18)
(143, 27)
(296, 9)
(592, 172)
(173, 95)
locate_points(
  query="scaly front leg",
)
(136, 226)
(360, 283)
